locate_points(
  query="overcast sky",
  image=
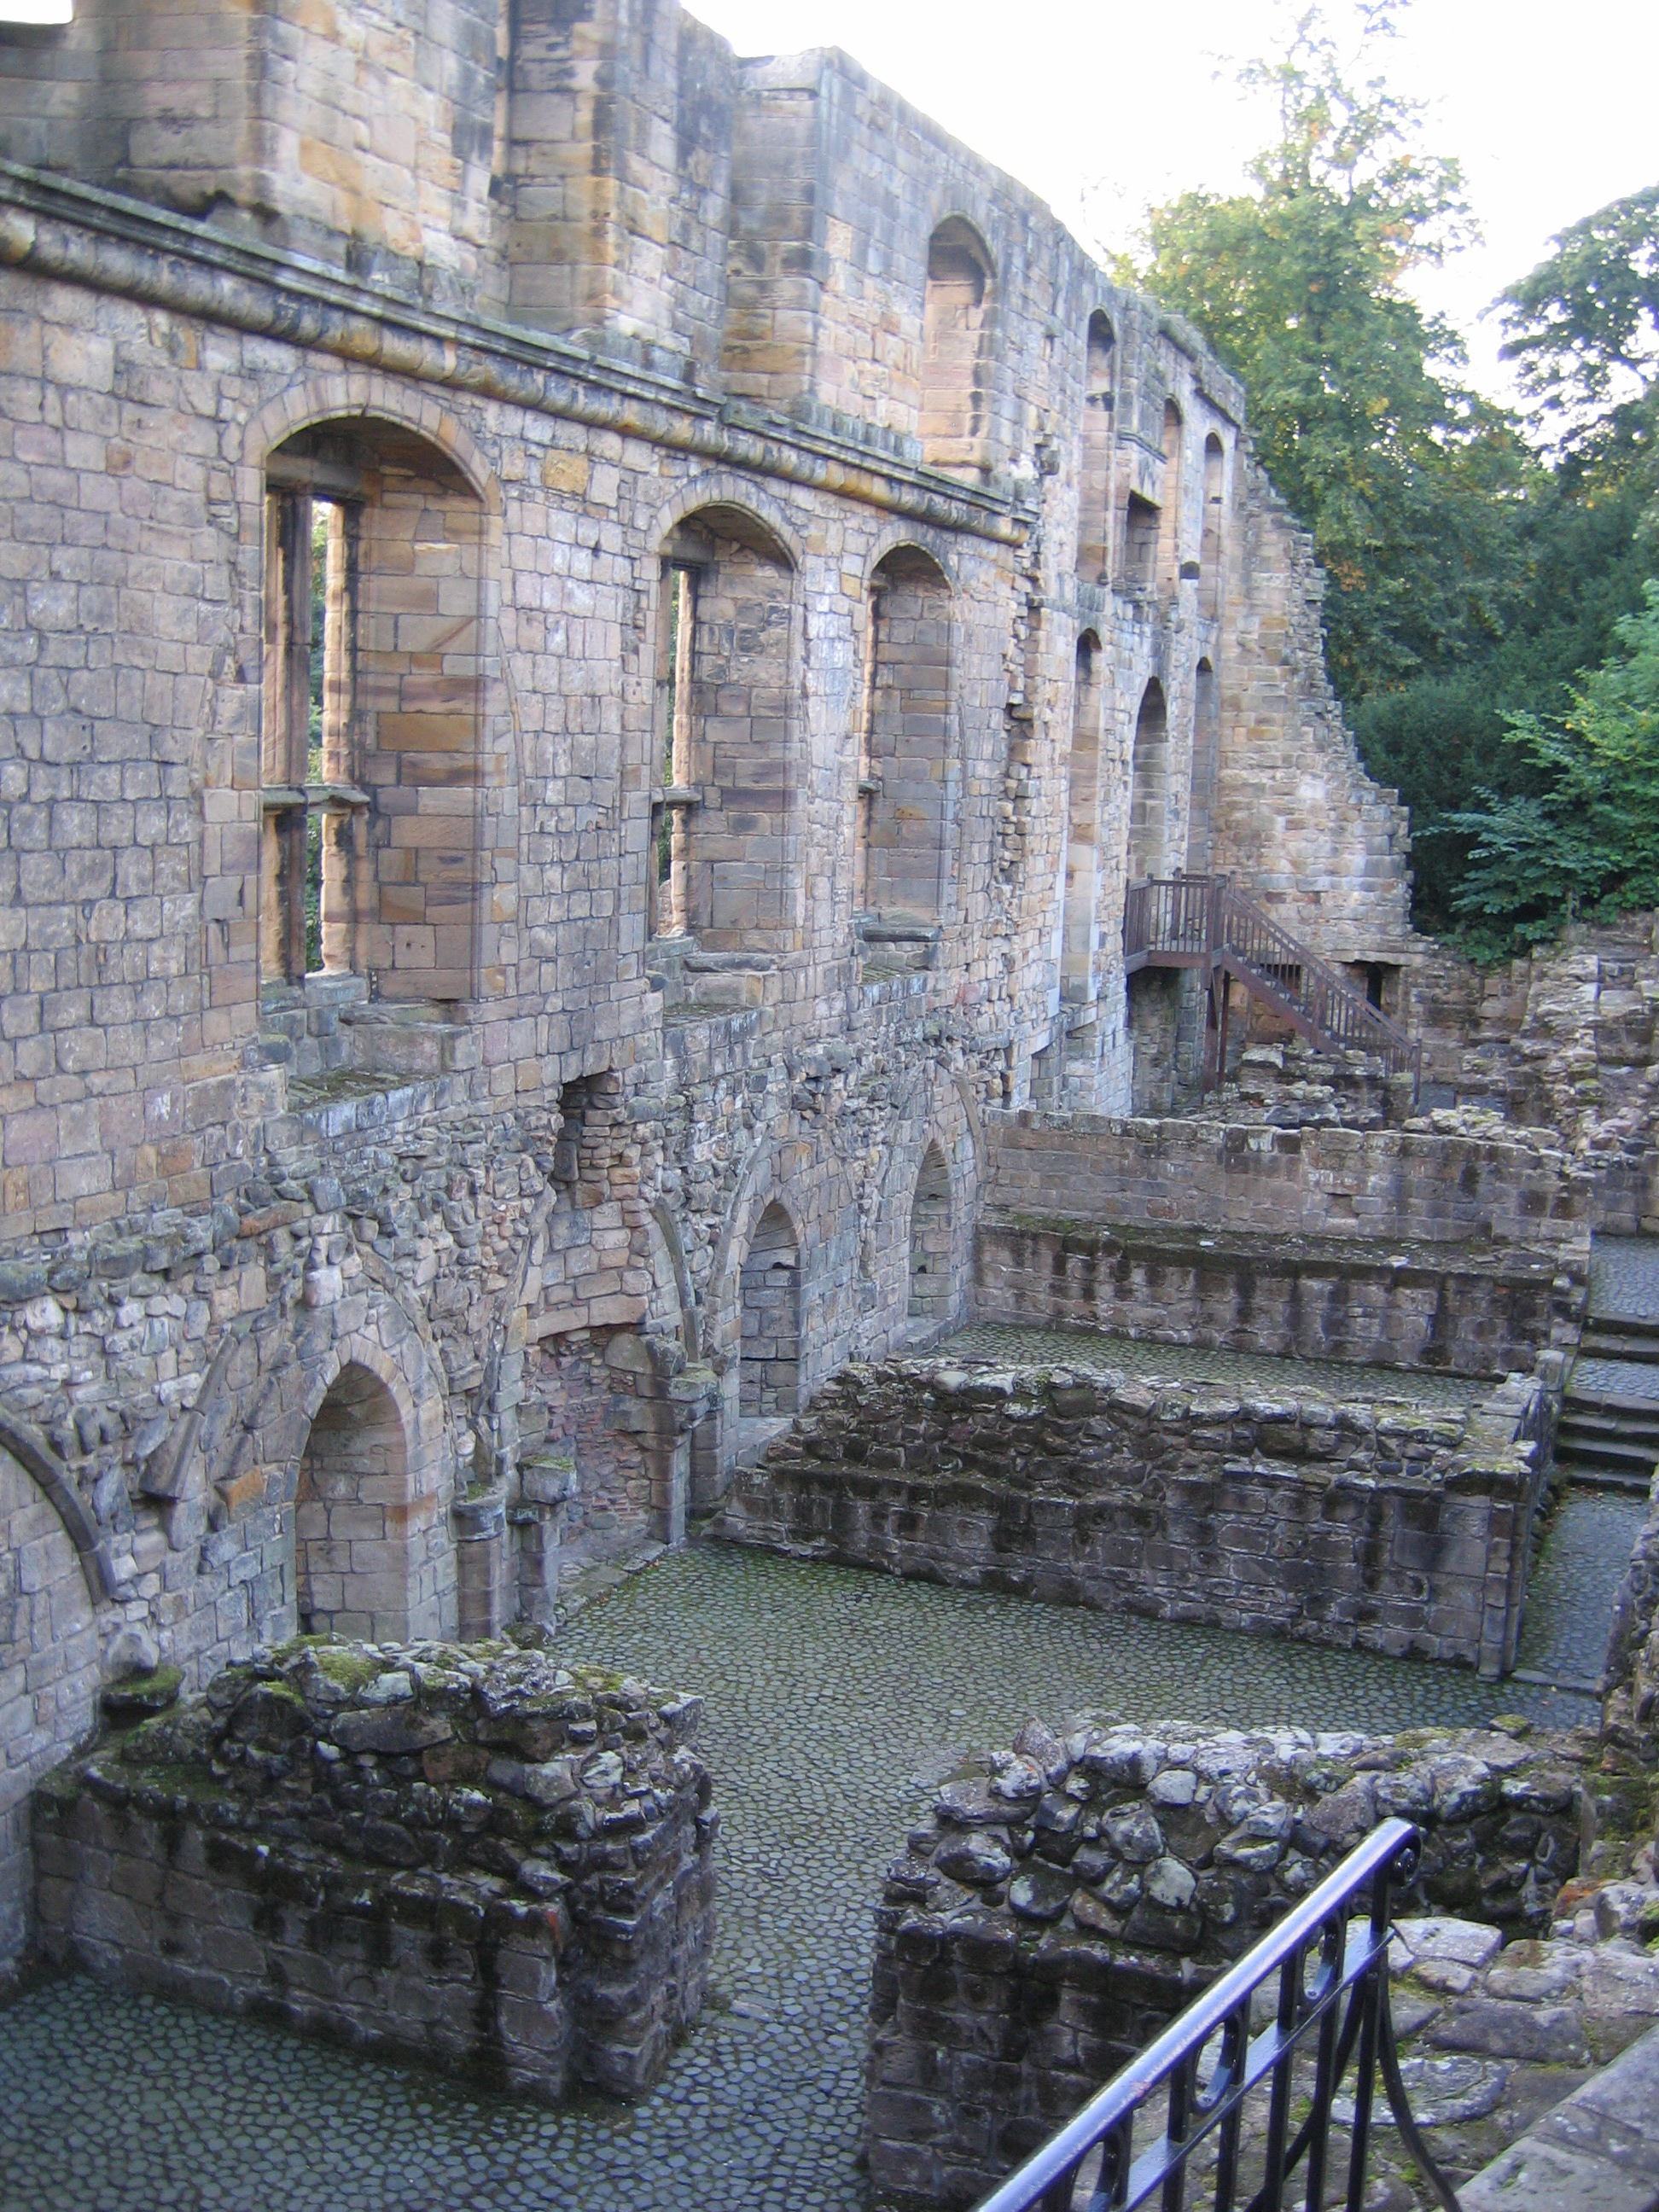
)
(1107, 106)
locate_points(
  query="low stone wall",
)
(1457, 1309)
(468, 1854)
(1057, 1909)
(1399, 1186)
(1383, 1526)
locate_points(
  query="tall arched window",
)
(1168, 546)
(1206, 735)
(1149, 788)
(1215, 493)
(1094, 494)
(904, 782)
(722, 851)
(372, 744)
(956, 353)
(1082, 815)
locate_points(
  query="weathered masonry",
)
(590, 635)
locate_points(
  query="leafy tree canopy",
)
(1588, 842)
(1403, 474)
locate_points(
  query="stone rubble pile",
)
(476, 1853)
(1054, 1911)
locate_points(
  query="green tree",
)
(1588, 843)
(1410, 482)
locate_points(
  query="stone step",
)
(1607, 1451)
(1597, 2151)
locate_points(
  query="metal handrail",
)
(1091, 2164)
(1196, 921)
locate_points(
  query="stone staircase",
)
(1609, 1432)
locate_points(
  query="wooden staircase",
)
(1203, 923)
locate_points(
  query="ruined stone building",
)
(591, 634)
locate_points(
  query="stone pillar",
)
(480, 1525)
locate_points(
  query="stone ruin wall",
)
(1050, 1915)
(1378, 1526)
(1408, 1247)
(496, 1176)
(468, 1854)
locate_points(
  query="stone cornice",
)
(79, 234)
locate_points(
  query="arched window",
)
(1148, 791)
(1142, 530)
(723, 862)
(1215, 493)
(371, 746)
(351, 1515)
(1168, 544)
(930, 1287)
(1082, 816)
(769, 1373)
(1094, 496)
(1206, 733)
(955, 354)
(904, 780)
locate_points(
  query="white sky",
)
(1106, 107)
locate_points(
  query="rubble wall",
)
(1381, 1527)
(1052, 1914)
(468, 1854)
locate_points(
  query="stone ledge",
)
(1596, 2152)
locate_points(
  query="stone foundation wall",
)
(1379, 1526)
(464, 1854)
(1414, 1185)
(1457, 1309)
(1054, 1912)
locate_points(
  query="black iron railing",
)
(1202, 921)
(1195, 2077)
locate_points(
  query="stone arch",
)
(723, 488)
(769, 1350)
(672, 1246)
(27, 1445)
(351, 1508)
(50, 1579)
(1210, 542)
(930, 1116)
(933, 1288)
(1206, 745)
(362, 392)
(1149, 785)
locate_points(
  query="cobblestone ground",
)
(1092, 1352)
(834, 1699)
(1624, 1277)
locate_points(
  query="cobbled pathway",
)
(835, 1700)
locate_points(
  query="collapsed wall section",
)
(471, 1854)
(1382, 1527)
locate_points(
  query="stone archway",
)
(352, 1515)
(49, 1673)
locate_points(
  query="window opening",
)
(1082, 803)
(1094, 482)
(955, 348)
(1215, 461)
(1148, 806)
(1206, 735)
(905, 780)
(673, 794)
(930, 1240)
(1142, 527)
(1168, 555)
(768, 1376)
